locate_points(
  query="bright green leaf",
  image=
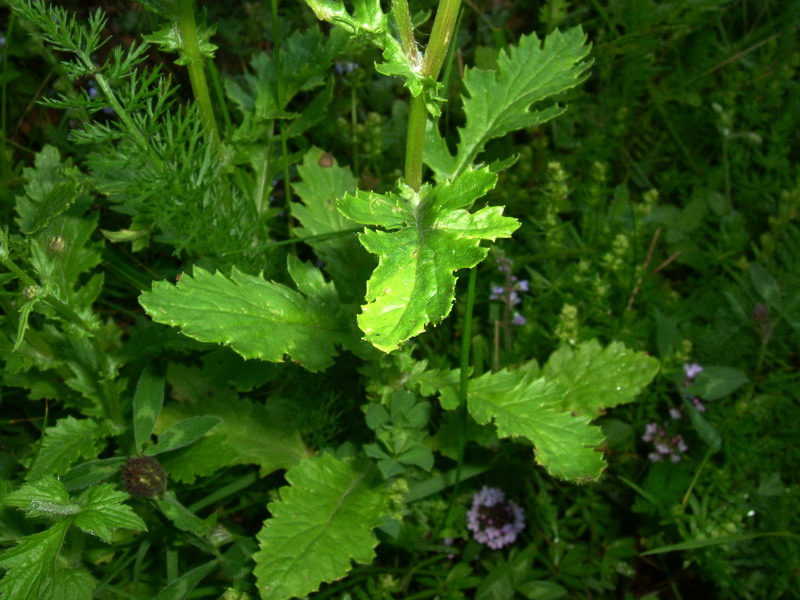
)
(31, 564)
(565, 444)
(553, 409)
(147, 401)
(183, 434)
(67, 441)
(45, 497)
(256, 318)
(597, 378)
(500, 101)
(414, 283)
(103, 512)
(323, 521)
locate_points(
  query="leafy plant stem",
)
(687, 495)
(443, 26)
(191, 47)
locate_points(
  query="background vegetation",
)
(661, 210)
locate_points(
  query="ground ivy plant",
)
(388, 262)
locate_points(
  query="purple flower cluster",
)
(664, 444)
(509, 293)
(493, 520)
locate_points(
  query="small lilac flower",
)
(523, 285)
(493, 520)
(497, 292)
(518, 320)
(691, 371)
(665, 445)
(698, 404)
(675, 413)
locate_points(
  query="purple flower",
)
(493, 520)
(665, 445)
(518, 319)
(675, 413)
(691, 370)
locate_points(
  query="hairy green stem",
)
(435, 54)
(443, 26)
(415, 139)
(402, 17)
(197, 77)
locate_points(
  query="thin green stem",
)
(187, 27)
(463, 389)
(415, 138)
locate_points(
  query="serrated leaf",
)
(183, 434)
(323, 521)
(256, 318)
(414, 283)
(67, 441)
(596, 378)
(322, 182)
(147, 401)
(247, 434)
(554, 410)
(31, 563)
(103, 512)
(500, 101)
(47, 192)
(565, 444)
(45, 497)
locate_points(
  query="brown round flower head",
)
(144, 477)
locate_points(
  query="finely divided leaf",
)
(67, 441)
(256, 318)
(500, 101)
(414, 283)
(322, 522)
